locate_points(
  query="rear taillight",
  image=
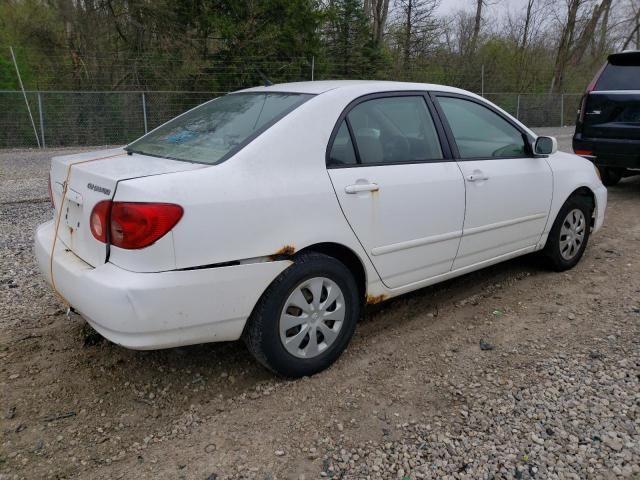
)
(590, 88)
(583, 152)
(99, 220)
(133, 225)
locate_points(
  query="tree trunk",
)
(604, 30)
(566, 39)
(407, 33)
(634, 33)
(527, 24)
(588, 33)
(380, 13)
(476, 26)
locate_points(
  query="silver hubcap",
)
(572, 234)
(312, 317)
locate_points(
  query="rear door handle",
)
(361, 187)
(476, 177)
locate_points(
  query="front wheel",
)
(305, 319)
(568, 237)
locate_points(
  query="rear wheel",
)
(305, 319)
(609, 176)
(568, 237)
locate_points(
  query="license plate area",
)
(72, 216)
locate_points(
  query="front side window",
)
(394, 130)
(480, 132)
(217, 129)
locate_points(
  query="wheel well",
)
(587, 194)
(346, 256)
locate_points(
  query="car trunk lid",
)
(94, 177)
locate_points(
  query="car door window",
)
(342, 152)
(394, 130)
(480, 132)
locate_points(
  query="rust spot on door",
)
(375, 299)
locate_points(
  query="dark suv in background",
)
(608, 124)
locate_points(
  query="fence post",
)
(44, 144)
(561, 109)
(144, 112)
(313, 66)
(482, 81)
(518, 108)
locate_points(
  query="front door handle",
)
(476, 177)
(361, 187)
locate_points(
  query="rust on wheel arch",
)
(375, 299)
(285, 252)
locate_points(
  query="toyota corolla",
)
(274, 214)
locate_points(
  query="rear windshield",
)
(215, 130)
(619, 77)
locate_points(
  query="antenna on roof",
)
(265, 79)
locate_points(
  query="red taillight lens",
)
(591, 87)
(99, 220)
(134, 225)
(583, 152)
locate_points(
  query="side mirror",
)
(545, 146)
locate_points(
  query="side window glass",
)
(479, 132)
(394, 129)
(342, 152)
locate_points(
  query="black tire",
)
(609, 176)
(261, 334)
(552, 248)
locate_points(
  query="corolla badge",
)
(98, 188)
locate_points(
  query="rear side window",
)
(480, 132)
(619, 77)
(342, 152)
(394, 130)
(217, 129)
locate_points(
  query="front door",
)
(508, 190)
(401, 194)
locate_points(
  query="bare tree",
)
(634, 32)
(377, 12)
(476, 26)
(418, 27)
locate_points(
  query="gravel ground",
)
(554, 392)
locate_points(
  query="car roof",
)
(372, 86)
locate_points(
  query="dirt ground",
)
(76, 406)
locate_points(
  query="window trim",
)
(528, 140)
(447, 154)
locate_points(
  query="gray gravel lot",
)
(558, 395)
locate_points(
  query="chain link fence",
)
(67, 118)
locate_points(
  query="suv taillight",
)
(133, 225)
(590, 88)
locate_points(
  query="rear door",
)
(398, 187)
(612, 109)
(91, 178)
(508, 190)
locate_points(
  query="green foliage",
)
(222, 45)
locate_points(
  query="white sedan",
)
(274, 214)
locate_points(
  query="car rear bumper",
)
(156, 310)
(609, 152)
